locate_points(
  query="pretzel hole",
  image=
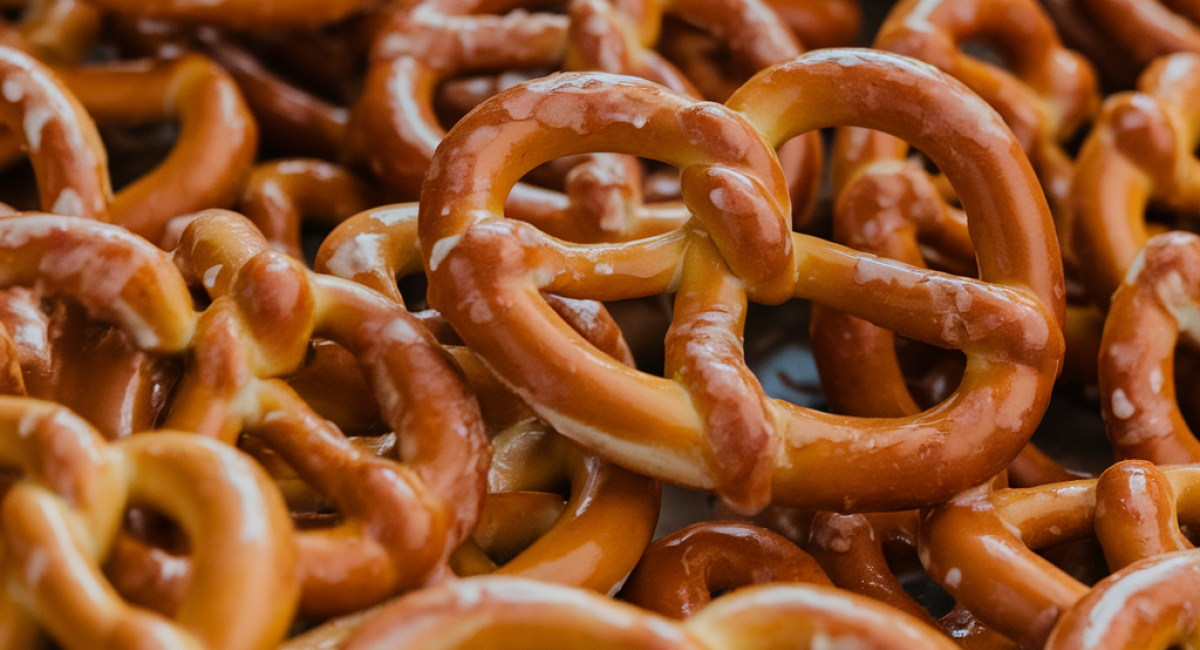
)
(931, 373)
(706, 61)
(148, 565)
(136, 149)
(779, 353)
(987, 51)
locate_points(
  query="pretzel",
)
(682, 572)
(1150, 312)
(1050, 93)
(1148, 29)
(1149, 605)
(1140, 153)
(851, 551)
(821, 23)
(378, 246)
(1131, 507)
(60, 519)
(280, 194)
(461, 236)
(265, 310)
(216, 145)
(57, 133)
(240, 14)
(437, 40)
(591, 542)
(505, 612)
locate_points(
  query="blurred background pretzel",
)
(1139, 156)
(59, 521)
(507, 612)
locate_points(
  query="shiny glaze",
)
(239, 14)
(265, 310)
(1149, 605)
(684, 571)
(1140, 153)
(217, 140)
(980, 546)
(1154, 308)
(60, 521)
(510, 613)
(281, 195)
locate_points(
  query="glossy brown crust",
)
(475, 259)
(265, 310)
(1147, 29)
(1047, 97)
(58, 32)
(1139, 154)
(509, 613)
(58, 135)
(240, 14)
(593, 540)
(980, 546)
(851, 550)
(682, 572)
(281, 195)
(821, 23)
(1149, 605)
(394, 129)
(217, 139)
(891, 207)
(1152, 310)
(60, 521)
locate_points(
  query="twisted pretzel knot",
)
(1139, 153)
(507, 611)
(1151, 311)
(265, 310)
(484, 273)
(1134, 508)
(60, 520)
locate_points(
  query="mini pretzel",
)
(978, 546)
(506, 612)
(240, 14)
(682, 572)
(1155, 306)
(216, 144)
(60, 519)
(266, 307)
(280, 194)
(1139, 154)
(1150, 605)
(485, 274)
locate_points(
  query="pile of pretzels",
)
(640, 324)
